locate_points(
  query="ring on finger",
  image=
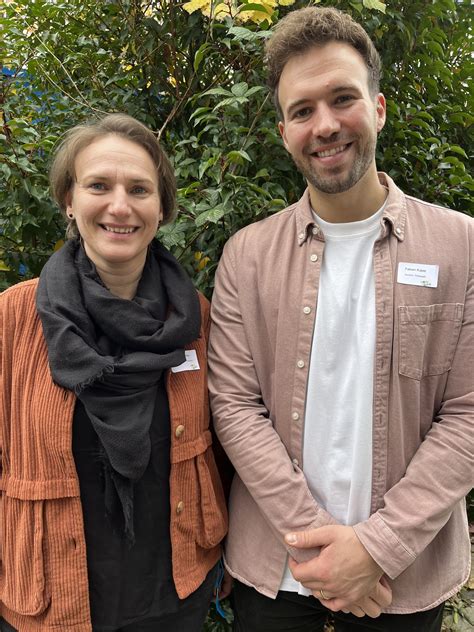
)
(323, 595)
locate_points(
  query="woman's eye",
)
(139, 190)
(97, 186)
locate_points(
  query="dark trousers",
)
(290, 612)
(189, 618)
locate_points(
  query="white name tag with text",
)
(418, 274)
(190, 364)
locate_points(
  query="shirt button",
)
(301, 236)
(314, 258)
(180, 507)
(300, 364)
(315, 230)
(295, 416)
(307, 310)
(295, 461)
(398, 230)
(179, 431)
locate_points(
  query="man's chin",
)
(330, 185)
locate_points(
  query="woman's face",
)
(115, 202)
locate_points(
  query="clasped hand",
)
(344, 570)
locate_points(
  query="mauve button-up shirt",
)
(263, 314)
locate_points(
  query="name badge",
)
(418, 274)
(190, 364)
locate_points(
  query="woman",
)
(112, 508)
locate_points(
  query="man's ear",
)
(281, 129)
(381, 111)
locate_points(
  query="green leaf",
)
(240, 89)
(199, 56)
(254, 90)
(231, 101)
(253, 6)
(238, 157)
(455, 149)
(213, 215)
(375, 4)
(6, 171)
(217, 91)
(240, 34)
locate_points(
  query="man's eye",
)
(344, 98)
(302, 113)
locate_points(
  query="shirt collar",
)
(393, 218)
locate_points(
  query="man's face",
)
(331, 121)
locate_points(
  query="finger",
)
(225, 592)
(310, 538)
(321, 594)
(382, 594)
(226, 587)
(335, 604)
(370, 607)
(307, 573)
(332, 604)
(356, 611)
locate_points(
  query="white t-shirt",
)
(337, 453)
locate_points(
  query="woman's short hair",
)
(305, 28)
(62, 174)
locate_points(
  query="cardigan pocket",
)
(23, 586)
(196, 492)
(213, 514)
(428, 338)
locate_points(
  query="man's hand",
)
(349, 577)
(226, 586)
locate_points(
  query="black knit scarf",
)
(112, 352)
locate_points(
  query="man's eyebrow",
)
(347, 88)
(297, 103)
(336, 90)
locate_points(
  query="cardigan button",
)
(179, 431)
(180, 507)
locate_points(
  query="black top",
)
(127, 584)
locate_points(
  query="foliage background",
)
(198, 81)
(193, 72)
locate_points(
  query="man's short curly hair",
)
(303, 29)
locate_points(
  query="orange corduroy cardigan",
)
(43, 573)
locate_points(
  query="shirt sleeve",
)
(440, 473)
(242, 421)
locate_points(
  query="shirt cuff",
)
(384, 546)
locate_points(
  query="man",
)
(341, 366)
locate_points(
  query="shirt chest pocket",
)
(428, 336)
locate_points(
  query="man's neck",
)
(358, 203)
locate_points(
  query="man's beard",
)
(334, 183)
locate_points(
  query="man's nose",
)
(326, 123)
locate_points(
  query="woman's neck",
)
(120, 283)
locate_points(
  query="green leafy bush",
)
(199, 82)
